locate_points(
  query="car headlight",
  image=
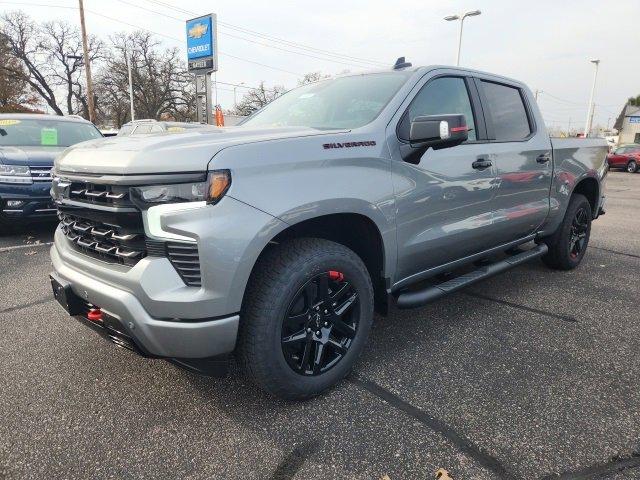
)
(15, 174)
(210, 191)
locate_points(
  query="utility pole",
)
(235, 99)
(569, 128)
(537, 92)
(87, 65)
(591, 106)
(128, 60)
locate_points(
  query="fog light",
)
(14, 203)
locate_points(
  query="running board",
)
(418, 298)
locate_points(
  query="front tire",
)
(568, 244)
(632, 166)
(306, 317)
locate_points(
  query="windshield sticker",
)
(49, 137)
(8, 123)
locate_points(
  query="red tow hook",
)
(336, 276)
(95, 315)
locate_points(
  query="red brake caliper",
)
(336, 276)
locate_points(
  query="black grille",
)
(107, 241)
(185, 259)
(102, 222)
(40, 174)
(112, 195)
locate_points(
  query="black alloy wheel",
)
(320, 324)
(578, 234)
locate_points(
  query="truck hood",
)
(30, 156)
(188, 151)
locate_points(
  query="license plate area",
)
(65, 296)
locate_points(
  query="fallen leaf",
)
(442, 474)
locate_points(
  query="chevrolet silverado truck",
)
(276, 240)
(29, 144)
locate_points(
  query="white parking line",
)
(30, 245)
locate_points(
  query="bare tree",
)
(162, 88)
(15, 94)
(66, 62)
(256, 98)
(21, 35)
(312, 77)
(44, 54)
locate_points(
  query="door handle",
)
(481, 163)
(543, 157)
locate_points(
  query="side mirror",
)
(435, 131)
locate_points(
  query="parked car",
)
(626, 157)
(276, 240)
(148, 126)
(28, 145)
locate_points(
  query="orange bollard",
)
(219, 117)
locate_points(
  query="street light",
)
(590, 107)
(461, 17)
(235, 100)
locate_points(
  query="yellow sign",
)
(198, 30)
(7, 123)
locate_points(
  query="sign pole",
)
(202, 57)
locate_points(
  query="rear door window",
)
(508, 112)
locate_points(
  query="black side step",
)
(417, 298)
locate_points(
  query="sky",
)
(547, 44)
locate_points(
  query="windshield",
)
(44, 133)
(345, 102)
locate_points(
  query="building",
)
(629, 125)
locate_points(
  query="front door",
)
(444, 204)
(523, 160)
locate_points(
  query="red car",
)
(626, 156)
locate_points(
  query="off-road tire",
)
(276, 280)
(559, 255)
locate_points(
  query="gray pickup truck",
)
(276, 240)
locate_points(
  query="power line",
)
(274, 38)
(332, 60)
(151, 31)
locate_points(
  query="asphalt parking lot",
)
(532, 374)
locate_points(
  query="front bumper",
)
(164, 315)
(36, 202)
(159, 338)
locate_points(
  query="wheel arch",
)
(590, 188)
(357, 232)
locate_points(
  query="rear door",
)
(522, 155)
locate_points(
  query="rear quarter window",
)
(508, 112)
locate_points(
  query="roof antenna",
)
(400, 63)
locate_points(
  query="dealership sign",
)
(634, 119)
(202, 45)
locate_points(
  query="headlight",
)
(210, 191)
(15, 174)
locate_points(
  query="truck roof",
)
(426, 68)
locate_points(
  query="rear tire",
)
(632, 166)
(568, 244)
(284, 319)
